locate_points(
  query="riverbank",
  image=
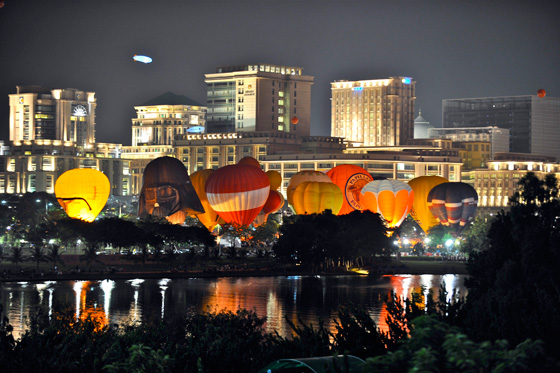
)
(410, 265)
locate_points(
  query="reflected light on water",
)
(277, 298)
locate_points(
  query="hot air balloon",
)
(237, 192)
(421, 186)
(275, 179)
(350, 179)
(302, 176)
(250, 161)
(167, 191)
(82, 193)
(209, 218)
(541, 93)
(392, 199)
(453, 204)
(273, 203)
(295, 120)
(312, 197)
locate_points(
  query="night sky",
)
(452, 49)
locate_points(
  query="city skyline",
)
(452, 50)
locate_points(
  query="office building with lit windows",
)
(498, 181)
(373, 112)
(40, 113)
(261, 97)
(532, 120)
(159, 120)
(34, 165)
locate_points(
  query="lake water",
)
(310, 297)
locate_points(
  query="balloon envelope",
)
(350, 179)
(82, 193)
(541, 93)
(209, 218)
(312, 197)
(420, 212)
(453, 204)
(295, 120)
(238, 192)
(275, 179)
(250, 161)
(392, 199)
(167, 189)
(302, 176)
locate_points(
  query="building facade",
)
(497, 137)
(39, 113)
(34, 166)
(532, 121)
(497, 183)
(373, 112)
(159, 120)
(259, 97)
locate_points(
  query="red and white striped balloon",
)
(238, 192)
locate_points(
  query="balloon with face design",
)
(82, 193)
(167, 191)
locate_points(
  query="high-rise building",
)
(39, 113)
(532, 121)
(159, 120)
(259, 98)
(373, 112)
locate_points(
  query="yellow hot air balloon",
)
(275, 179)
(392, 199)
(209, 218)
(82, 193)
(420, 212)
(302, 176)
(312, 197)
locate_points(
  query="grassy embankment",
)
(108, 267)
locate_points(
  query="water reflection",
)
(309, 298)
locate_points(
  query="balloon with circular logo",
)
(453, 204)
(541, 93)
(350, 179)
(82, 193)
(167, 191)
(238, 192)
(392, 199)
(312, 197)
(421, 186)
(302, 176)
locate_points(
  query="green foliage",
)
(435, 346)
(326, 240)
(142, 359)
(476, 237)
(514, 284)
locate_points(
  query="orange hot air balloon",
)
(167, 191)
(312, 197)
(541, 93)
(453, 204)
(295, 120)
(350, 179)
(237, 192)
(82, 193)
(275, 179)
(274, 202)
(209, 218)
(420, 212)
(250, 161)
(392, 199)
(302, 176)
